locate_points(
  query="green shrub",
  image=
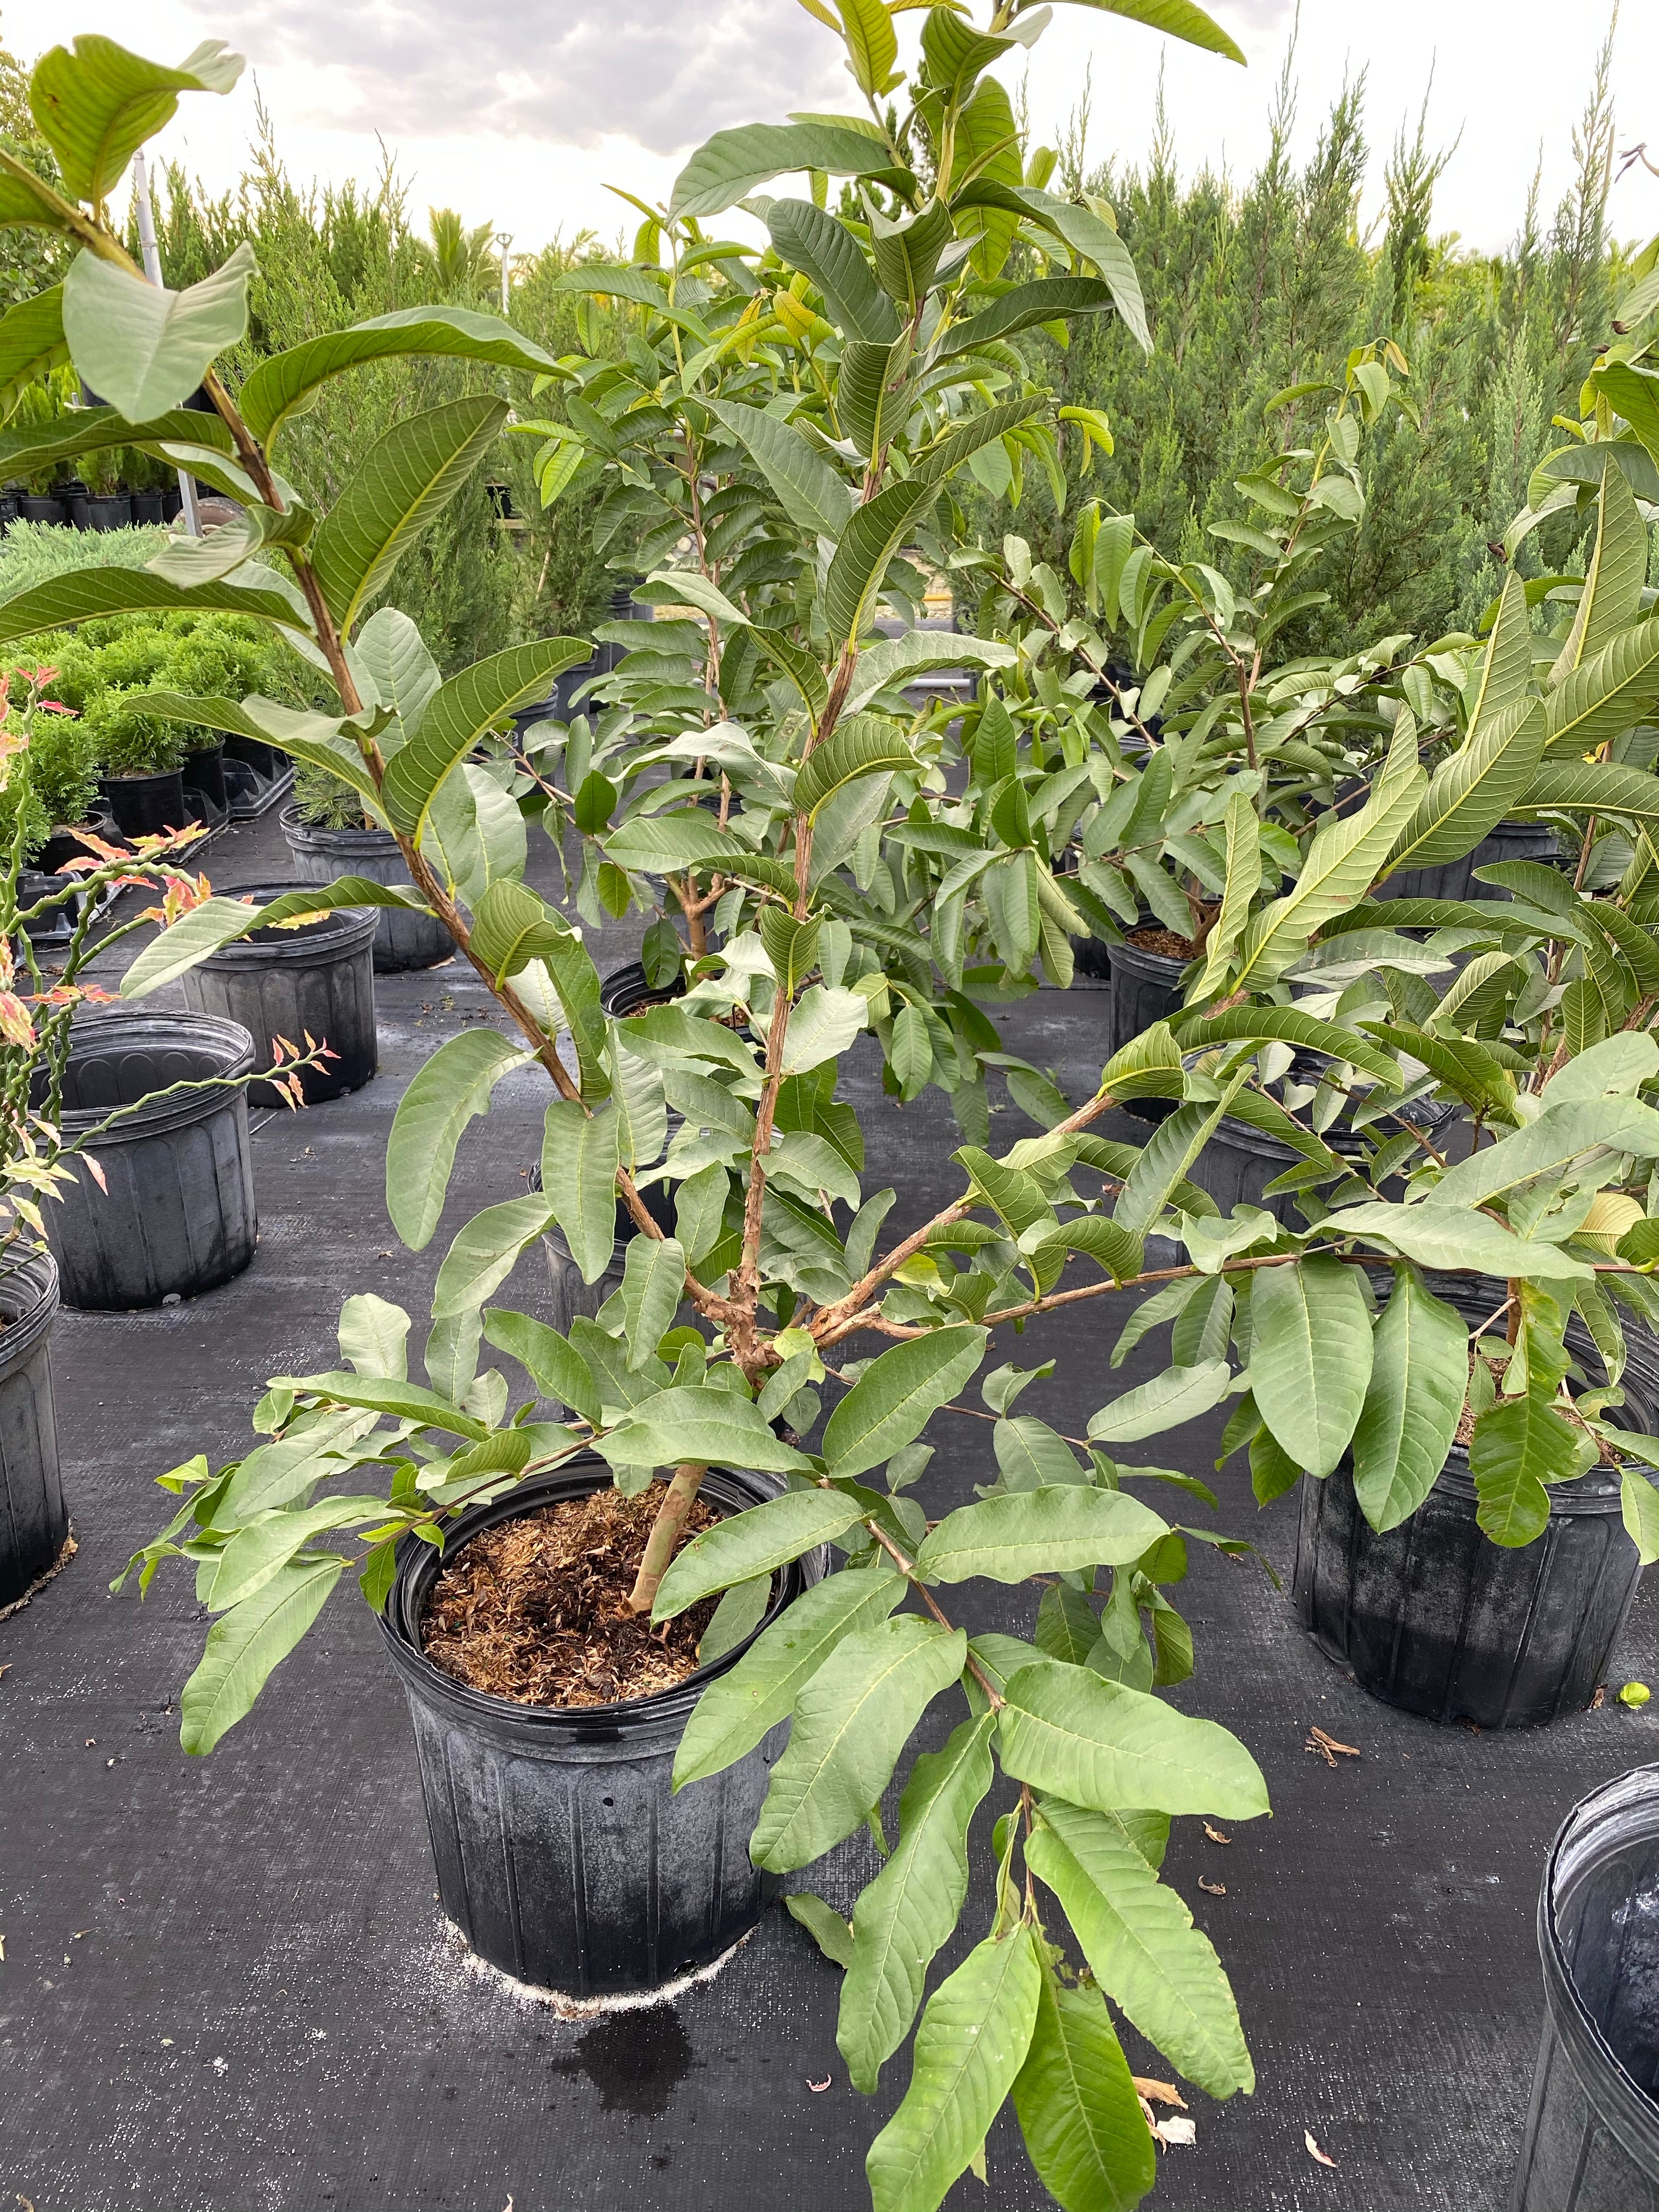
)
(61, 784)
(324, 802)
(33, 552)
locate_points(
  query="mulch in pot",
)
(536, 1609)
(1153, 937)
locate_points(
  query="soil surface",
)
(1154, 937)
(537, 1610)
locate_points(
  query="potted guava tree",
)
(734, 1681)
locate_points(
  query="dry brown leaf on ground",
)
(1215, 1834)
(1212, 1889)
(1326, 1747)
(1164, 2093)
(1314, 2151)
(818, 2087)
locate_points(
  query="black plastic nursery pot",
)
(401, 940)
(40, 506)
(76, 500)
(176, 1217)
(1592, 2136)
(109, 510)
(1510, 841)
(1239, 1161)
(1435, 1618)
(145, 805)
(276, 982)
(203, 779)
(1146, 988)
(149, 507)
(562, 1856)
(33, 1522)
(68, 841)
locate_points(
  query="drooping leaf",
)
(1040, 299)
(895, 661)
(1142, 1947)
(868, 542)
(653, 1282)
(731, 163)
(556, 1368)
(811, 494)
(909, 1910)
(245, 1645)
(90, 592)
(445, 1093)
(1084, 2131)
(579, 1175)
(1409, 1420)
(852, 1719)
(96, 104)
(1311, 1358)
(32, 342)
(1179, 1395)
(1519, 1446)
(866, 744)
(971, 2044)
(811, 238)
(484, 1253)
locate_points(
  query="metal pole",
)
(153, 270)
(504, 239)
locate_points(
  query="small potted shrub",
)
(329, 835)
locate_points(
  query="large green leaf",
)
(898, 660)
(291, 1466)
(1042, 299)
(246, 1645)
(868, 542)
(971, 2044)
(868, 745)
(1477, 788)
(1176, 19)
(733, 163)
(400, 486)
(579, 1174)
(1605, 695)
(1288, 1026)
(1453, 1237)
(1142, 1947)
(1311, 1358)
(1519, 1446)
(283, 385)
(653, 1283)
(484, 1253)
(33, 449)
(659, 844)
(1559, 1135)
(96, 104)
(1067, 1730)
(32, 342)
(1089, 235)
(556, 1368)
(1178, 1394)
(1420, 1373)
(890, 1403)
(909, 1910)
(810, 491)
(711, 1425)
(1613, 580)
(1050, 1531)
(1342, 861)
(459, 714)
(446, 1092)
(257, 1553)
(90, 593)
(739, 1709)
(811, 238)
(1574, 787)
(852, 1720)
(145, 350)
(1079, 2113)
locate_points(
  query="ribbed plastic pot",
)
(627, 992)
(1435, 1618)
(401, 940)
(1511, 840)
(109, 510)
(41, 506)
(149, 506)
(1592, 2136)
(285, 982)
(1146, 989)
(178, 1216)
(33, 1522)
(203, 779)
(562, 1855)
(144, 806)
(66, 843)
(1239, 1162)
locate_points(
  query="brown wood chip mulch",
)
(536, 1609)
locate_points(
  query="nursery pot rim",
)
(156, 1029)
(558, 1728)
(299, 833)
(342, 930)
(27, 1321)
(1619, 2100)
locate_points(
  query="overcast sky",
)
(520, 114)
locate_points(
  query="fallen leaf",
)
(2, 1959)
(1176, 2131)
(76, 1934)
(818, 2087)
(91, 1740)
(1325, 1746)
(1215, 1834)
(6, 1668)
(1595, 1702)
(1214, 1888)
(1165, 2093)
(1314, 2151)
